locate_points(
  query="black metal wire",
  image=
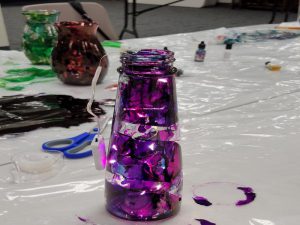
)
(134, 13)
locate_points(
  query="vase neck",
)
(83, 28)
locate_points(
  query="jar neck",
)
(40, 16)
(77, 28)
(148, 62)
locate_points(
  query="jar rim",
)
(147, 56)
(70, 24)
(41, 12)
(152, 62)
(148, 53)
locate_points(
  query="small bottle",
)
(227, 52)
(272, 67)
(201, 52)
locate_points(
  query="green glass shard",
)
(25, 77)
(113, 44)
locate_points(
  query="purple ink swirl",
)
(205, 222)
(250, 196)
(202, 201)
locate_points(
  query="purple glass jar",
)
(144, 166)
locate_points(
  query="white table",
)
(240, 123)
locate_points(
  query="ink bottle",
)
(272, 67)
(227, 53)
(201, 52)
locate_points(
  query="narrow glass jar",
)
(39, 35)
(144, 166)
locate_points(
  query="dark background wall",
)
(168, 20)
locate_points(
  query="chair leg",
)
(126, 14)
(287, 9)
(233, 4)
(133, 15)
(286, 17)
(236, 4)
(274, 11)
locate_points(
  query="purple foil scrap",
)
(205, 222)
(202, 201)
(86, 221)
(147, 132)
(250, 196)
(82, 219)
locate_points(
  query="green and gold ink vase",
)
(39, 35)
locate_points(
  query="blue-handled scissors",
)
(74, 147)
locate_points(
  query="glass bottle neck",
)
(148, 62)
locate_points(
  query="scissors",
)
(73, 147)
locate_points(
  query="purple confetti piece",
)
(82, 219)
(250, 196)
(205, 222)
(87, 221)
(202, 201)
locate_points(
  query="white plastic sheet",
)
(240, 123)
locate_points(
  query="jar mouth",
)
(76, 24)
(148, 72)
(148, 62)
(148, 58)
(40, 12)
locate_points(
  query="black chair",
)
(286, 6)
(134, 13)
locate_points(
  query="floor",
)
(168, 20)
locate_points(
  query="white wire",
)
(94, 84)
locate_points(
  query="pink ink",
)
(102, 151)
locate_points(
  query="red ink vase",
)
(78, 53)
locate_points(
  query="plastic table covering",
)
(240, 124)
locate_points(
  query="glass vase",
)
(39, 35)
(78, 53)
(143, 170)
